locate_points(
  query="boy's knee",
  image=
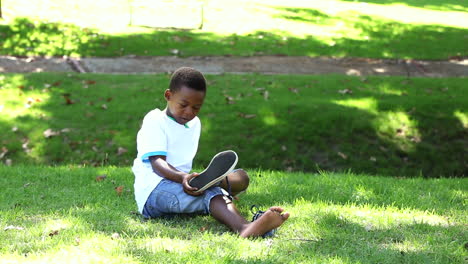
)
(242, 179)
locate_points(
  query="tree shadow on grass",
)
(375, 38)
(84, 207)
(442, 5)
(385, 126)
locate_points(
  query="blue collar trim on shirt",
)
(185, 125)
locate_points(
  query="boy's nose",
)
(188, 112)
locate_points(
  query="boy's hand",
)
(187, 188)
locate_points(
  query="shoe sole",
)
(220, 166)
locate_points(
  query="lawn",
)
(376, 29)
(391, 126)
(62, 214)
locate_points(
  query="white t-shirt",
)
(162, 135)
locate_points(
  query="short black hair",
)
(189, 77)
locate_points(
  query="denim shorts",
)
(169, 198)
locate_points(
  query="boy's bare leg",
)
(223, 210)
(239, 181)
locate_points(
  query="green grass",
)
(409, 29)
(65, 216)
(387, 126)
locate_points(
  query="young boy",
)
(167, 143)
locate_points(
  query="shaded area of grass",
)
(65, 213)
(443, 5)
(380, 125)
(353, 35)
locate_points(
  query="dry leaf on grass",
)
(68, 100)
(53, 233)
(4, 152)
(345, 91)
(247, 116)
(121, 151)
(342, 155)
(266, 95)
(101, 177)
(50, 133)
(119, 189)
(294, 90)
(229, 99)
(115, 236)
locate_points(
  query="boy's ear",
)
(168, 94)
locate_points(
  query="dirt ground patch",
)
(225, 64)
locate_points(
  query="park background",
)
(372, 168)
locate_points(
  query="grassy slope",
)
(336, 218)
(423, 30)
(387, 126)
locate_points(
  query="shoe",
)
(257, 215)
(220, 166)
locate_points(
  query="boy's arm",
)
(166, 170)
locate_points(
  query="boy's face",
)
(183, 105)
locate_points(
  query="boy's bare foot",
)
(272, 218)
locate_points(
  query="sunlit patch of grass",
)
(398, 128)
(367, 104)
(463, 117)
(307, 28)
(380, 125)
(88, 221)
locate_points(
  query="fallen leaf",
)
(266, 95)
(89, 82)
(342, 155)
(373, 159)
(121, 151)
(115, 236)
(8, 162)
(401, 132)
(25, 146)
(229, 99)
(109, 99)
(119, 189)
(4, 152)
(26, 185)
(345, 91)
(50, 133)
(53, 233)
(247, 116)
(68, 100)
(101, 177)
(294, 90)
(174, 51)
(203, 228)
(57, 83)
(65, 130)
(12, 227)
(283, 148)
(104, 106)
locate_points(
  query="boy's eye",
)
(183, 105)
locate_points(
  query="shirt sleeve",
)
(152, 138)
